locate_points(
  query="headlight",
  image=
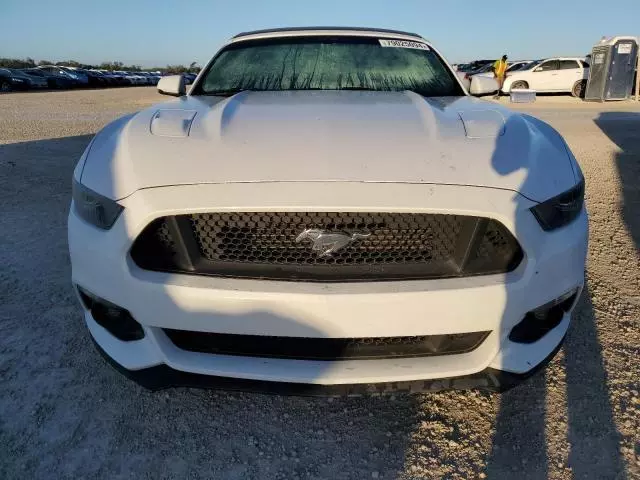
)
(93, 208)
(561, 209)
(17, 79)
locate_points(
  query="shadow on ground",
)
(522, 425)
(623, 129)
(519, 443)
(65, 413)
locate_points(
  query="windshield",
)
(328, 63)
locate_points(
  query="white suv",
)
(560, 74)
(327, 211)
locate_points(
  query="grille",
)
(304, 348)
(267, 238)
(374, 246)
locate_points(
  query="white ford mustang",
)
(327, 211)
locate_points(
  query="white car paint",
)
(260, 136)
(347, 151)
(558, 74)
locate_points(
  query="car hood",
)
(328, 136)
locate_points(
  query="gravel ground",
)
(64, 413)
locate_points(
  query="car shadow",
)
(65, 413)
(523, 424)
(623, 129)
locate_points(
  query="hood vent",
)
(482, 123)
(172, 123)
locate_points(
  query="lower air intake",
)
(303, 348)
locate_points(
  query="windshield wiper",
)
(362, 89)
(234, 91)
(230, 92)
(365, 89)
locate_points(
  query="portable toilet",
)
(612, 66)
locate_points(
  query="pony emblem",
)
(326, 243)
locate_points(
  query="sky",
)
(159, 32)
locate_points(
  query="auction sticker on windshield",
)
(403, 44)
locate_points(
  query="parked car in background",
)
(475, 65)
(487, 71)
(119, 79)
(81, 80)
(153, 78)
(106, 79)
(78, 74)
(53, 80)
(10, 80)
(561, 74)
(465, 77)
(33, 81)
(132, 77)
(487, 67)
(139, 78)
(517, 65)
(189, 78)
(37, 81)
(484, 69)
(147, 76)
(94, 79)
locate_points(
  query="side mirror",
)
(483, 85)
(539, 69)
(172, 85)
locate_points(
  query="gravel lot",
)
(64, 413)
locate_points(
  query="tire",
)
(5, 86)
(579, 89)
(519, 85)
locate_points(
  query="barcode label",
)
(403, 44)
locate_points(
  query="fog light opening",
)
(116, 320)
(537, 323)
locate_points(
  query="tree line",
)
(31, 63)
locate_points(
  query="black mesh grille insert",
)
(304, 348)
(271, 237)
(327, 246)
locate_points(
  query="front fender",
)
(95, 168)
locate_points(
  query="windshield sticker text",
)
(403, 44)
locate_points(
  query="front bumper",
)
(162, 376)
(553, 265)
